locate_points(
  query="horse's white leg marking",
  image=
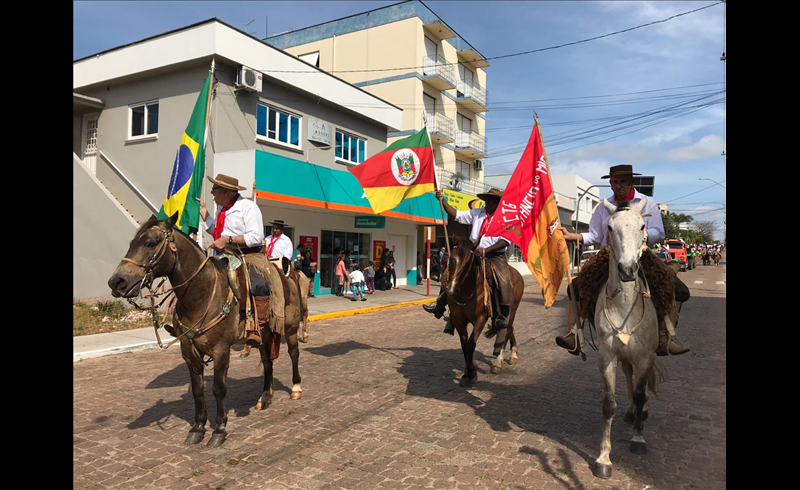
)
(497, 365)
(608, 370)
(514, 354)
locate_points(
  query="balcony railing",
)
(471, 91)
(439, 125)
(461, 183)
(437, 71)
(470, 140)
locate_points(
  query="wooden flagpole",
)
(436, 174)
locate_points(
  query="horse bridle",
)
(150, 266)
(475, 289)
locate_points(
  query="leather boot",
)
(437, 308)
(502, 319)
(569, 341)
(666, 343)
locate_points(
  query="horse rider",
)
(493, 249)
(621, 180)
(238, 223)
(279, 246)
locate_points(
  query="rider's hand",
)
(570, 237)
(220, 243)
(481, 252)
(439, 195)
(203, 210)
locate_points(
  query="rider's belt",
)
(495, 254)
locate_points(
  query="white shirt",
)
(475, 217)
(283, 246)
(598, 225)
(242, 219)
(356, 276)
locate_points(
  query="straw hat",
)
(492, 194)
(227, 182)
(278, 222)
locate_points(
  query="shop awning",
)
(293, 181)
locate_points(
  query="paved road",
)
(382, 409)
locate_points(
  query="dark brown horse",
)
(467, 300)
(207, 318)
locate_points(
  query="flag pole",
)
(200, 240)
(436, 175)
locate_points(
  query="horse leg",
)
(645, 372)
(461, 328)
(198, 430)
(608, 370)
(513, 359)
(294, 353)
(627, 368)
(266, 364)
(497, 365)
(221, 363)
(470, 376)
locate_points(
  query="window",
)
(277, 126)
(463, 169)
(143, 120)
(350, 149)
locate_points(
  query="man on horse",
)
(238, 223)
(279, 246)
(493, 249)
(621, 180)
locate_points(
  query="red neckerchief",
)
(272, 242)
(220, 224)
(629, 199)
(485, 225)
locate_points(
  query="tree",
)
(706, 230)
(671, 223)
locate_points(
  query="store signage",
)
(378, 246)
(310, 243)
(370, 222)
(461, 201)
(320, 131)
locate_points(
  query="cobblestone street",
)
(382, 409)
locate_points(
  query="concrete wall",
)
(101, 232)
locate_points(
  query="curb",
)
(79, 356)
(373, 309)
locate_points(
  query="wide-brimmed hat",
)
(492, 194)
(227, 182)
(278, 222)
(620, 170)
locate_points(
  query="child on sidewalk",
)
(357, 283)
(369, 276)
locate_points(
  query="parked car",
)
(588, 255)
(677, 250)
(663, 255)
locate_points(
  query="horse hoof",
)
(217, 439)
(629, 418)
(602, 471)
(468, 382)
(296, 395)
(639, 447)
(513, 361)
(496, 369)
(194, 437)
(262, 405)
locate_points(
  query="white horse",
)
(627, 326)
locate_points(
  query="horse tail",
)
(658, 374)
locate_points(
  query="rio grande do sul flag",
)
(401, 171)
(528, 216)
(186, 182)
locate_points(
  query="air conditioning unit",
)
(478, 164)
(248, 79)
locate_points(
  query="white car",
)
(588, 255)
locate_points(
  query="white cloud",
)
(708, 146)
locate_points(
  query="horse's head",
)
(461, 260)
(148, 257)
(626, 234)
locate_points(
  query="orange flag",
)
(528, 216)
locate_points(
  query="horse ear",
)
(455, 240)
(172, 219)
(639, 206)
(609, 207)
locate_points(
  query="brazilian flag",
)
(189, 169)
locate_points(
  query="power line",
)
(505, 55)
(611, 95)
(693, 193)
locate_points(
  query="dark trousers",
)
(394, 277)
(382, 284)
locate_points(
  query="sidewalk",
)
(320, 308)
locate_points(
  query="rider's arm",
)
(596, 227)
(654, 223)
(254, 225)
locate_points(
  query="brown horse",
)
(207, 319)
(467, 301)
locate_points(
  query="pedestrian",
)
(381, 281)
(390, 269)
(348, 266)
(419, 268)
(340, 273)
(369, 277)
(309, 268)
(436, 267)
(357, 283)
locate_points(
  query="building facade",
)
(274, 124)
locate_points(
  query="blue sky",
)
(681, 52)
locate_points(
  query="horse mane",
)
(624, 206)
(153, 221)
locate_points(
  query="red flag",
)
(528, 216)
